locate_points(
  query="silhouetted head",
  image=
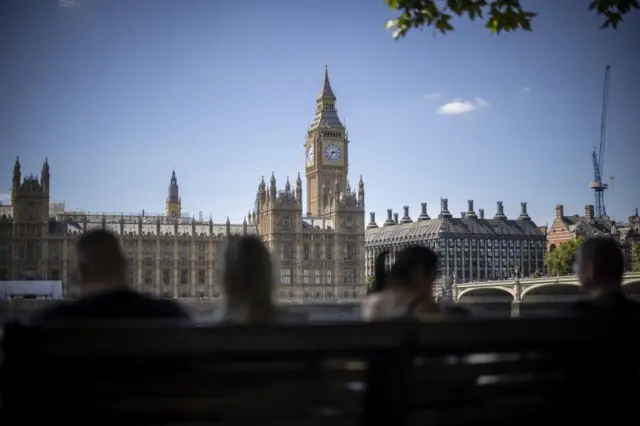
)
(100, 261)
(600, 264)
(416, 268)
(380, 272)
(247, 280)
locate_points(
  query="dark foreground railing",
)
(444, 373)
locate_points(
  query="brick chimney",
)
(499, 211)
(395, 218)
(481, 212)
(423, 213)
(406, 218)
(372, 221)
(389, 220)
(589, 212)
(559, 211)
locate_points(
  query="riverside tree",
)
(636, 255)
(560, 261)
(498, 15)
(370, 284)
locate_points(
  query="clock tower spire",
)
(326, 149)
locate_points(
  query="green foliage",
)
(636, 255)
(499, 15)
(559, 261)
(370, 284)
(536, 274)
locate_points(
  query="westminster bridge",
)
(520, 296)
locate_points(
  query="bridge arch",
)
(552, 289)
(488, 294)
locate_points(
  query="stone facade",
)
(170, 255)
(320, 254)
(470, 248)
(630, 240)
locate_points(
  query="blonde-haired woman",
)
(248, 282)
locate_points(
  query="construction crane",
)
(598, 155)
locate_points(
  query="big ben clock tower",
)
(327, 151)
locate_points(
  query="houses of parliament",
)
(317, 244)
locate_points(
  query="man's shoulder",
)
(116, 305)
(161, 308)
(59, 311)
(617, 306)
(170, 307)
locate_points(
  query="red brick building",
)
(630, 237)
(565, 228)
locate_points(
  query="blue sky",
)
(117, 93)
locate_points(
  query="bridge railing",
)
(560, 279)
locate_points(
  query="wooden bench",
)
(336, 374)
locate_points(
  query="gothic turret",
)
(272, 185)
(287, 186)
(361, 192)
(30, 195)
(299, 189)
(17, 178)
(45, 176)
(173, 206)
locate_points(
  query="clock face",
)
(310, 154)
(332, 153)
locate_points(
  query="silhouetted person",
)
(408, 287)
(104, 291)
(380, 270)
(248, 283)
(599, 263)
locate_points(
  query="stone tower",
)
(320, 251)
(30, 196)
(326, 150)
(173, 206)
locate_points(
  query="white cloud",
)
(462, 106)
(431, 96)
(68, 3)
(525, 90)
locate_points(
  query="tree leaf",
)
(502, 15)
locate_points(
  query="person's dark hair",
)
(380, 272)
(411, 258)
(100, 257)
(606, 258)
